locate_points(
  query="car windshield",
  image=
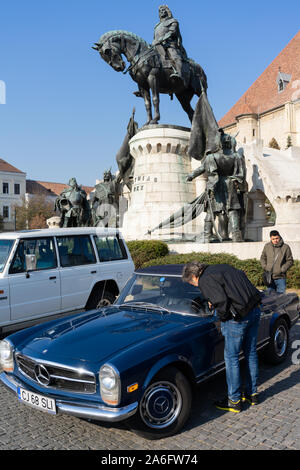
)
(165, 293)
(5, 247)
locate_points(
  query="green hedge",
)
(251, 267)
(143, 251)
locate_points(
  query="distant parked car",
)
(46, 272)
(136, 359)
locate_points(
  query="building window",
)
(283, 79)
(17, 188)
(253, 132)
(5, 212)
(5, 188)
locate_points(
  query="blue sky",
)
(66, 110)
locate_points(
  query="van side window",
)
(110, 248)
(75, 250)
(42, 248)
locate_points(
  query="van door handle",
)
(93, 272)
(52, 277)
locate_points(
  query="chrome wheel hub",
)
(161, 405)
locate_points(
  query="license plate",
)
(37, 401)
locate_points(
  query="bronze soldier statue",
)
(168, 42)
(226, 186)
(104, 202)
(73, 205)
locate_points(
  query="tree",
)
(33, 212)
(273, 144)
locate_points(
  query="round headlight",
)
(109, 385)
(6, 356)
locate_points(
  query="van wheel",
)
(100, 299)
(164, 407)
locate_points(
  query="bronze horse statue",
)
(150, 71)
(124, 159)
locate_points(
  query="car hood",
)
(95, 337)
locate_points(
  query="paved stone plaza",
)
(274, 424)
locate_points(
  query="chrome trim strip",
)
(100, 412)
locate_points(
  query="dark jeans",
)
(278, 285)
(241, 335)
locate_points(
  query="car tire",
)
(278, 346)
(153, 420)
(99, 299)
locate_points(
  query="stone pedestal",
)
(256, 206)
(159, 186)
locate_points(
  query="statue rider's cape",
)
(204, 139)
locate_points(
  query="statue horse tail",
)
(198, 79)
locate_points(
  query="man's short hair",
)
(274, 233)
(194, 268)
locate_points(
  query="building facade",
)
(269, 111)
(12, 192)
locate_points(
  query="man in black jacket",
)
(236, 300)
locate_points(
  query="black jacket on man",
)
(229, 290)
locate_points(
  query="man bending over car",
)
(236, 300)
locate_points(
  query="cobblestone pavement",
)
(274, 424)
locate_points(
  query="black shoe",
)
(252, 399)
(229, 405)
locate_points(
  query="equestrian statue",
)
(160, 67)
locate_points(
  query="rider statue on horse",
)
(160, 67)
(168, 43)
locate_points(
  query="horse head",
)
(110, 50)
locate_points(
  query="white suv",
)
(46, 272)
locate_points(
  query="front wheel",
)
(277, 349)
(164, 407)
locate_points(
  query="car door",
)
(78, 269)
(6, 247)
(114, 262)
(37, 292)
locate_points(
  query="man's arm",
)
(288, 261)
(215, 294)
(263, 259)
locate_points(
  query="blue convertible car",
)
(136, 359)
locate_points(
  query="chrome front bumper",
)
(96, 412)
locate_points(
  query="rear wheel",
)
(277, 349)
(164, 407)
(99, 299)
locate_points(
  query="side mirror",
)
(30, 264)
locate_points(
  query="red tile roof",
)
(48, 188)
(4, 166)
(263, 95)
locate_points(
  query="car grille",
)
(60, 378)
